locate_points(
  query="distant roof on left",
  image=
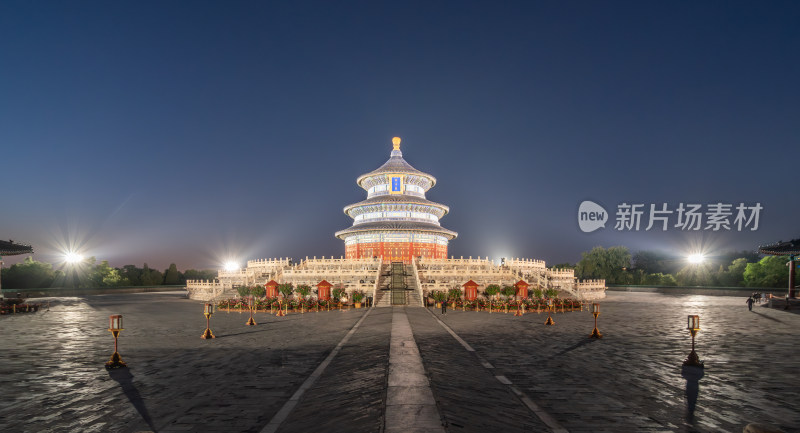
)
(11, 248)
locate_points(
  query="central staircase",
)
(397, 286)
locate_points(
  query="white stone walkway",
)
(410, 406)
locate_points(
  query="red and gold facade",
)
(396, 221)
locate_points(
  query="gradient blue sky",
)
(193, 132)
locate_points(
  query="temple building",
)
(396, 221)
(396, 251)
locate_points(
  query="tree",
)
(696, 275)
(454, 294)
(103, 275)
(303, 290)
(610, 264)
(29, 274)
(258, 291)
(151, 277)
(771, 271)
(654, 262)
(131, 273)
(171, 276)
(734, 275)
(202, 274)
(509, 291)
(659, 279)
(491, 290)
(286, 290)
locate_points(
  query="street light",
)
(693, 325)
(696, 259)
(595, 312)
(115, 327)
(208, 310)
(73, 257)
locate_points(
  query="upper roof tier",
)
(395, 165)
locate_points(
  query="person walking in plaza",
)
(444, 307)
(750, 303)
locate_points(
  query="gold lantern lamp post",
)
(250, 322)
(208, 310)
(280, 309)
(595, 313)
(549, 320)
(693, 324)
(115, 327)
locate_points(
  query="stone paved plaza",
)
(486, 372)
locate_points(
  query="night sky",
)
(196, 132)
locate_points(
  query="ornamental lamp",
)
(693, 324)
(115, 327)
(208, 310)
(115, 323)
(549, 320)
(250, 322)
(595, 312)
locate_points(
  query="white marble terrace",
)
(365, 274)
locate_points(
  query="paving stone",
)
(53, 379)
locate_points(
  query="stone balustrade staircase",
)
(383, 298)
(412, 294)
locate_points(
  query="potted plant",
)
(454, 295)
(438, 296)
(337, 293)
(358, 295)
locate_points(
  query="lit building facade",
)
(396, 222)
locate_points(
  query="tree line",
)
(32, 274)
(732, 269)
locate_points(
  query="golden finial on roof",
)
(396, 143)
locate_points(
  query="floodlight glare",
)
(696, 258)
(231, 266)
(73, 257)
